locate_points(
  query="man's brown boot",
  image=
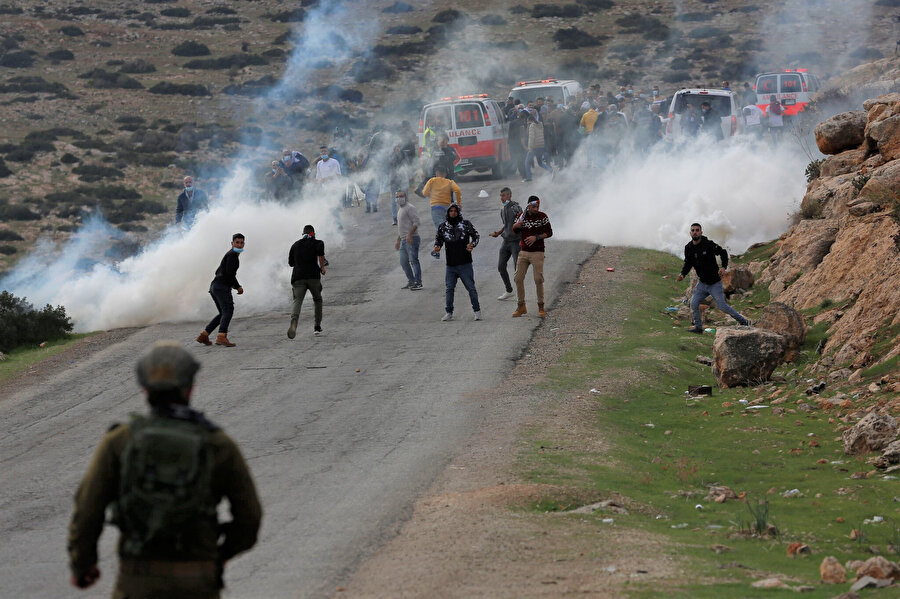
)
(222, 339)
(541, 312)
(520, 310)
(204, 338)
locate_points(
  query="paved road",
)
(342, 432)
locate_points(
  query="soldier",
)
(164, 476)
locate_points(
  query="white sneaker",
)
(447, 316)
(506, 295)
(478, 315)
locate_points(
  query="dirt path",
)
(472, 534)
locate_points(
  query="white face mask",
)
(401, 201)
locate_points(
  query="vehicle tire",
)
(498, 171)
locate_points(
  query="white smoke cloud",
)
(742, 193)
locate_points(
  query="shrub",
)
(132, 228)
(273, 53)
(860, 53)
(92, 172)
(20, 155)
(221, 10)
(397, 8)
(68, 158)
(32, 85)
(288, 16)
(102, 79)
(6, 9)
(676, 76)
(694, 17)
(227, 62)
(403, 30)
(706, 31)
(404, 49)
(592, 5)
(449, 16)
(184, 89)
(813, 170)
(4, 170)
(177, 12)
(64, 197)
(372, 69)
(253, 87)
(16, 60)
(493, 20)
(556, 10)
(8, 250)
(137, 66)
(21, 324)
(206, 22)
(190, 48)
(7, 235)
(573, 38)
(71, 31)
(627, 50)
(680, 64)
(131, 119)
(17, 212)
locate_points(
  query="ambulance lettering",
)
(462, 132)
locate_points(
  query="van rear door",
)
(468, 130)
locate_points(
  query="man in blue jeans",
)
(460, 237)
(220, 290)
(700, 254)
(408, 240)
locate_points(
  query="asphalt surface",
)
(341, 432)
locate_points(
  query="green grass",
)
(22, 358)
(665, 468)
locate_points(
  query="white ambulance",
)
(477, 129)
(791, 87)
(561, 91)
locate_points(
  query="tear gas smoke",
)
(742, 193)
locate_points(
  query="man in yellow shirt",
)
(589, 119)
(441, 192)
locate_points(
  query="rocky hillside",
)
(840, 260)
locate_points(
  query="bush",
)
(71, 31)
(404, 49)
(813, 170)
(449, 16)
(397, 8)
(184, 89)
(177, 12)
(695, 17)
(207, 22)
(132, 228)
(6, 9)
(68, 158)
(33, 85)
(859, 53)
(102, 79)
(288, 16)
(16, 60)
(676, 76)
(7, 235)
(372, 69)
(61, 54)
(226, 62)
(21, 324)
(221, 10)
(592, 5)
(573, 38)
(556, 10)
(493, 20)
(273, 53)
(4, 170)
(17, 212)
(92, 172)
(64, 197)
(20, 155)
(137, 66)
(8, 250)
(706, 31)
(190, 48)
(254, 87)
(403, 30)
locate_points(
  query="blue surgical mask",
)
(505, 202)
(656, 92)
(324, 156)
(189, 188)
(238, 250)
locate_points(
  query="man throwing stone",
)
(534, 227)
(700, 254)
(460, 237)
(509, 248)
(307, 256)
(220, 290)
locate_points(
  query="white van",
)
(791, 87)
(561, 91)
(723, 104)
(477, 129)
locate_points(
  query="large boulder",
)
(787, 322)
(882, 132)
(737, 278)
(890, 455)
(841, 132)
(873, 432)
(831, 571)
(880, 568)
(746, 356)
(843, 163)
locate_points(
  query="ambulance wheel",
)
(498, 171)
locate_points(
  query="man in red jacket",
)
(534, 227)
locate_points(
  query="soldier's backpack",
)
(165, 483)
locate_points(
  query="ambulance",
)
(477, 129)
(792, 88)
(563, 91)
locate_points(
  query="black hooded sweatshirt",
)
(702, 258)
(456, 234)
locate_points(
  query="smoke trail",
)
(169, 279)
(741, 193)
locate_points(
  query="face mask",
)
(656, 92)
(324, 156)
(505, 202)
(274, 170)
(238, 250)
(189, 188)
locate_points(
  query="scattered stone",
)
(890, 455)
(854, 564)
(863, 208)
(2, 357)
(746, 356)
(720, 548)
(798, 549)
(705, 360)
(787, 322)
(769, 583)
(699, 390)
(879, 568)
(792, 493)
(874, 432)
(720, 494)
(874, 388)
(738, 278)
(845, 131)
(831, 571)
(868, 581)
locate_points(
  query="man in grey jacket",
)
(509, 248)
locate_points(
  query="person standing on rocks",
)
(700, 254)
(534, 227)
(190, 202)
(510, 212)
(307, 257)
(460, 237)
(220, 290)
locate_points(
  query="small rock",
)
(831, 571)
(792, 493)
(720, 548)
(798, 549)
(720, 494)
(2, 357)
(879, 568)
(705, 360)
(868, 581)
(872, 433)
(874, 388)
(854, 565)
(769, 583)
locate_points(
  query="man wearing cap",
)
(220, 290)
(460, 237)
(534, 227)
(173, 546)
(307, 258)
(510, 212)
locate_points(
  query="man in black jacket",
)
(460, 237)
(220, 290)
(700, 254)
(307, 257)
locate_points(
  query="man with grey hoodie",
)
(509, 248)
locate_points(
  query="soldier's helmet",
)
(167, 367)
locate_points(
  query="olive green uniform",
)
(191, 570)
